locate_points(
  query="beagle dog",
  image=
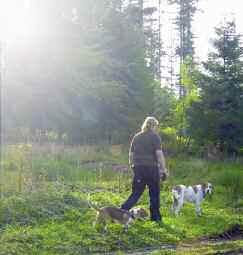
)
(112, 214)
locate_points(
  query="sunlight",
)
(16, 21)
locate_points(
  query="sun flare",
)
(16, 20)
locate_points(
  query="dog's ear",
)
(195, 188)
(144, 213)
(204, 186)
(210, 185)
(132, 213)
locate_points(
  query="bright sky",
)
(17, 20)
(210, 15)
(213, 13)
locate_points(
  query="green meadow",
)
(44, 208)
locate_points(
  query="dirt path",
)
(229, 242)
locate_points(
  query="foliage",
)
(172, 111)
(49, 202)
(164, 104)
(169, 140)
(232, 180)
(189, 75)
(87, 75)
(55, 217)
(186, 10)
(189, 79)
(217, 116)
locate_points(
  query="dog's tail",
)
(92, 205)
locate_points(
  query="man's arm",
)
(131, 164)
(161, 159)
(131, 153)
(162, 166)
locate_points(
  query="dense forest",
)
(91, 73)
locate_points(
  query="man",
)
(147, 160)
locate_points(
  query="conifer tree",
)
(218, 116)
(186, 10)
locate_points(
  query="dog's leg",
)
(179, 206)
(130, 220)
(198, 208)
(174, 205)
(100, 223)
(105, 229)
(177, 211)
(126, 227)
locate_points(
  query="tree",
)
(85, 74)
(189, 79)
(218, 117)
(164, 105)
(186, 10)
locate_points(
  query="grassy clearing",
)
(44, 210)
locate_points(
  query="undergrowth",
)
(44, 208)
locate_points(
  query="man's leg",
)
(138, 187)
(154, 194)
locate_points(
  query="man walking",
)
(147, 160)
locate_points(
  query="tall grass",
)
(232, 180)
(188, 171)
(44, 210)
(24, 168)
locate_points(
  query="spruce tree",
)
(218, 116)
(186, 10)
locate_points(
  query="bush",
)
(169, 139)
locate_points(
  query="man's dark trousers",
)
(145, 175)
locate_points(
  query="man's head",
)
(150, 123)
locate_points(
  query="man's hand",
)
(131, 166)
(163, 174)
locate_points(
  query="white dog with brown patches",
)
(193, 194)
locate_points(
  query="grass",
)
(44, 209)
